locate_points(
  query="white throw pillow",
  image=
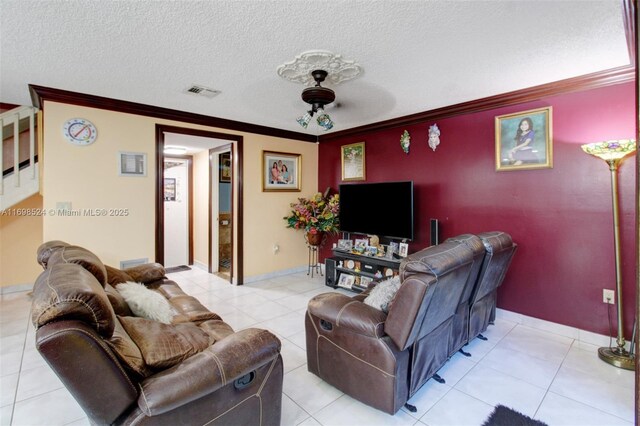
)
(146, 303)
(383, 293)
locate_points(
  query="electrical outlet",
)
(608, 296)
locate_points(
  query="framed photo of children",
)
(524, 141)
(281, 171)
(353, 161)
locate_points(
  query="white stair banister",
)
(32, 143)
(19, 184)
(1, 156)
(16, 149)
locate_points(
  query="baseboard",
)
(274, 274)
(16, 288)
(581, 336)
(201, 266)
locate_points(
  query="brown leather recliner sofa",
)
(382, 359)
(123, 369)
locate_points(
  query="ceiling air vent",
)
(196, 89)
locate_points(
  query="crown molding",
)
(586, 82)
(595, 80)
(39, 94)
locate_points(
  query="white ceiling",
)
(416, 55)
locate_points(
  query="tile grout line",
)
(24, 345)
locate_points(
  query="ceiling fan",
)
(317, 96)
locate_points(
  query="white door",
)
(176, 212)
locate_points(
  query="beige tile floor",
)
(550, 377)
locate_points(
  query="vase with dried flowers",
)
(316, 215)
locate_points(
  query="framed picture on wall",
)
(281, 171)
(132, 164)
(225, 167)
(524, 141)
(169, 189)
(353, 162)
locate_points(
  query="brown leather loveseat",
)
(124, 369)
(382, 359)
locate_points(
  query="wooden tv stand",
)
(361, 268)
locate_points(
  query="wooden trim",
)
(189, 159)
(590, 81)
(40, 93)
(210, 213)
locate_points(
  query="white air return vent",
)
(196, 89)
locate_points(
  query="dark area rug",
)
(177, 269)
(504, 416)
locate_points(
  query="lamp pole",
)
(613, 152)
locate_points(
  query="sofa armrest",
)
(146, 273)
(206, 372)
(342, 311)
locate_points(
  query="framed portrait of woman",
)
(524, 140)
(280, 171)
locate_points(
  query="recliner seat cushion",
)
(127, 351)
(164, 345)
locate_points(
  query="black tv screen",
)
(383, 209)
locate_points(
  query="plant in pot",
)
(316, 215)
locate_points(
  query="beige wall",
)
(87, 177)
(20, 236)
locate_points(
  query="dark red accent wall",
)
(561, 218)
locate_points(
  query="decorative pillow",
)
(146, 303)
(164, 345)
(383, 293)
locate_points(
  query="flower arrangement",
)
(316, 214)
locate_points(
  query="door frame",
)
(212, 179)
(189, 161)
(237, 205)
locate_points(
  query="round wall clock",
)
(79, 131)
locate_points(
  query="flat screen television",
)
(384, 209)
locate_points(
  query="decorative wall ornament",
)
(299, 70)
(434, 137)
(405, 141)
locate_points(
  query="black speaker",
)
(435, 232)
(331, 274)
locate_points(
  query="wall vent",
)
(124, 264)
(196, 89)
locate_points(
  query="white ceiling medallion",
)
(338, 69)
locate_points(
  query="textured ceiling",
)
(416, 55)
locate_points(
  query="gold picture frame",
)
(353, 162)
(281, 171)
(524, 140)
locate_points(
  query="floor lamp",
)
(613, 152)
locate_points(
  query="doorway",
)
(221, 202)
(178, 211)
(217, 160)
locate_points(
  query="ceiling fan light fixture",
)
(304, 119)
(324, 120)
